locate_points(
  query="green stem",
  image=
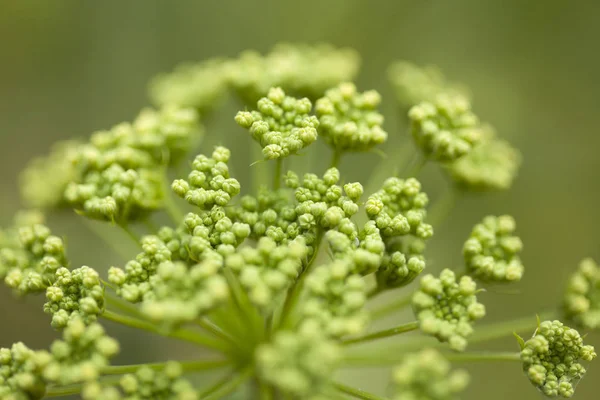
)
(118, 246)
(506, 328)
(355, 392)
(392, 307)
(216, 386)
(122, 305)
(76, 388)
(230, 385)
(211, 327)
(134, 236)
(277, 173)
(187, 366)
(483, 356)
(171, 207)
(181, 334)
(416, 169)
(259, 170)
(389, 167)
(397, 330)
(294, 292)
(335, 159)
(442, 208)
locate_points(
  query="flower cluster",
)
(348, 120)
(208, 183)
(30, 264)
(277, 284)
(427, 376)
(445, 129)
(75, 294)
(299, 363)
(492, 251)
(145, 383)
(551, 358)
(582, 295)
(447, 308)
(282, 125)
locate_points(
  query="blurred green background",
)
(71, 67)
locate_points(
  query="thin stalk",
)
(76, 388)
(127, 229)
(392, 307)
(416, 169)
(506, 328)
(211, 327)
(277, 173)
(216, 386)
(389, 167)
(294, 292)
(171, 207)
(118, 246)
(356, 393)
(397, 330)
(484, 356)
(181, 334)
(123, 305)
(442, 208)
(335, 158)
(231, 385)
(259, 170)
(187, 366)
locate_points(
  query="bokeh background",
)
(71, 67)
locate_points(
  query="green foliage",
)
(278, 282)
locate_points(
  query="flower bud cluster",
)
(398, 209)
(447, 308)
(335, 299)
(551, 358)
(74, 294)
(145, 383)
(364, 250)
(180, 293)
(299, 363)
(282, 125)
(427, 375)
(581, 303)
(29, 264)
(120, 171)
(206, 235)
(349, 120)
(414, 84)
(402, 262)
(490, 166)
(21, 372)
(446, 128)
(44, 179)
(81, 354)
(492, 251)
(267, 271)
(193, 85)
(301, 69)
(209, 182)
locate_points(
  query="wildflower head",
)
(191, 85)
(74, 294)
(414, 84)
(300, 69)
(427, 376)
(209, 182)
(445, 129)
(349, 120)
(21, 372)
(447, 308)
(491, 166)
(551, 358)
(29, 264)
(581, 303)
(81, 354)
(282, 125)
(298, 363)
(492, 251)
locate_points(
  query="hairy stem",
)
(397, 330)
(181, 334)
(355, 392)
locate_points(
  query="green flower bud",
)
(21, 372)
(581, 302)
(551, 359)
(349, 120)
(492, 251)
